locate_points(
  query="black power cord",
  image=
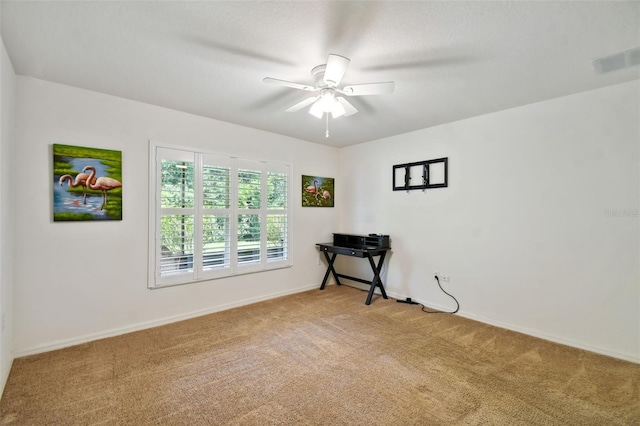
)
(412, 302)
(442, 312)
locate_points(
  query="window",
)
(215, 216)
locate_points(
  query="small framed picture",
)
(317, 191)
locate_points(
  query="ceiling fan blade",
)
(291, 84)
(348, 108)
(336, 67)
(302, 104)
(369, 89)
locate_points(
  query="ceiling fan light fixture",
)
(338, 110)
(327, 100)
(316, 109)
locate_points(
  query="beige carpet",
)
(322, 358)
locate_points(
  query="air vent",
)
(617, 61)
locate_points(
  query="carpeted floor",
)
(322, 358)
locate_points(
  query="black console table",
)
(362, 246)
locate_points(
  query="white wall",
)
(7, 134)
(523, 228)
(83, 280)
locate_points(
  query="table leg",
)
(330, 270)
(377, 281)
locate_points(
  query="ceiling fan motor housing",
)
(318, 76)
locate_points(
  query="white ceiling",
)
(449, 60)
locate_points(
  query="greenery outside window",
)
(215, 216)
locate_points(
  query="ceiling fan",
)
(327, 78)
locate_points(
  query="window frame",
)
(160, 151)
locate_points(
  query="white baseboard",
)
(555, 339)
(154, 323)
(5, 377)
(529, 332)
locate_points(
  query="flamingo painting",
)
(81, 180)
(90, 163)
(103, 184)
(319, 194)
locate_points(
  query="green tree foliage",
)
(178, 191)
(277, 190)
(178, 184)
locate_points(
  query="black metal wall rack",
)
(423, 169)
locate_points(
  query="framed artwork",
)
(87, 183)
(317, 191)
